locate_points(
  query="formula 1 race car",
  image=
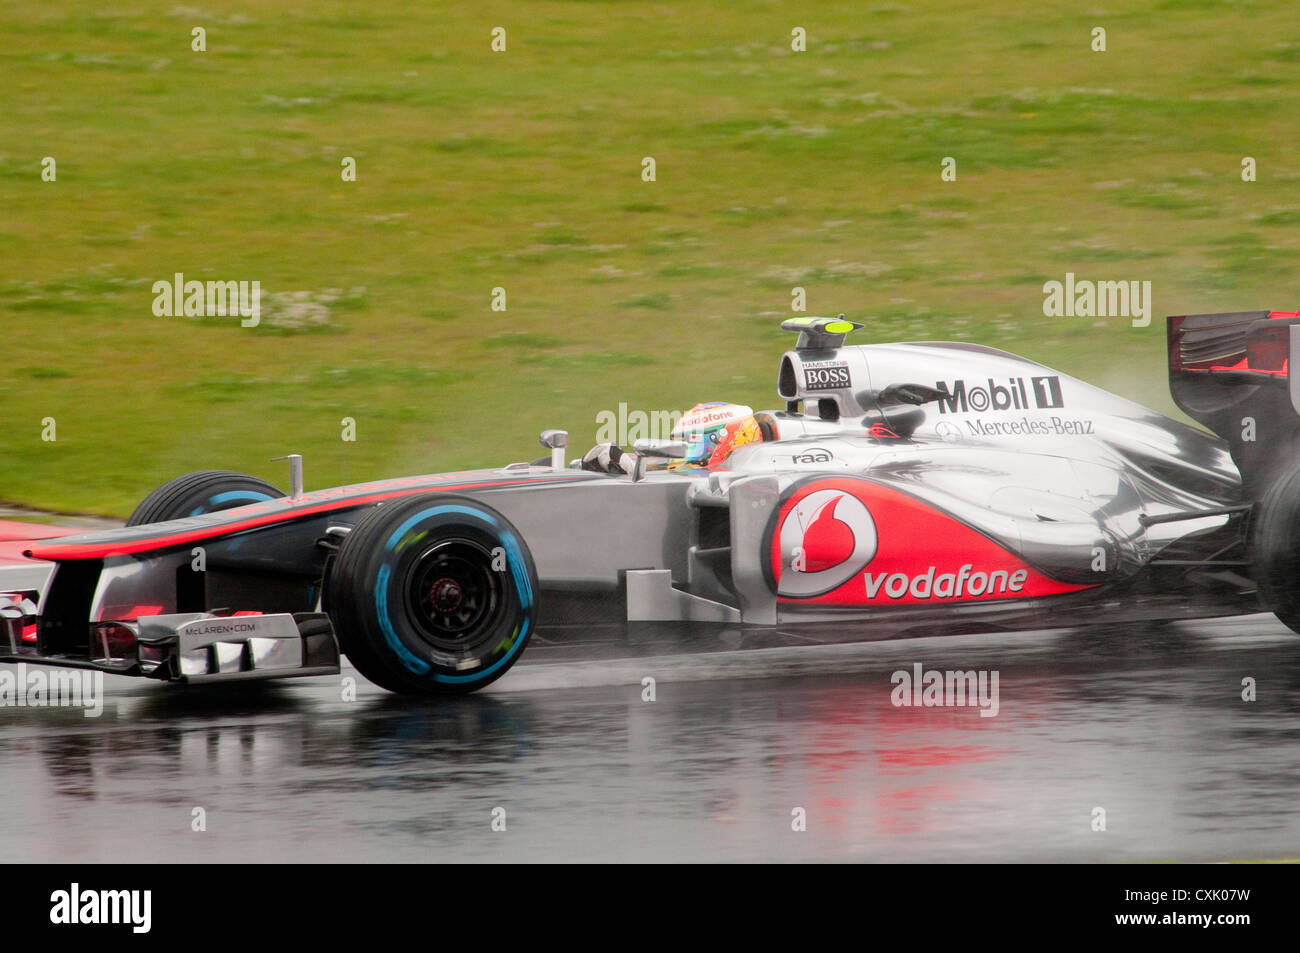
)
(904, 489)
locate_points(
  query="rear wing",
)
(1232, 373)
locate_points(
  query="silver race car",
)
(903, 489)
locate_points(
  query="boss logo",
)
(826, 375)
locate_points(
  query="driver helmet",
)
(737, 434)
(703, 427)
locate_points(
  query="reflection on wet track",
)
(1148, 724)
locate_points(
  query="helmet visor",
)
(701, 444)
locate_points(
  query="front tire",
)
(434, 595)
(206, 491)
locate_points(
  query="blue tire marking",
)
(252, 496)
(416, 665)
(516, 560)
(434, 511)
(523, 588)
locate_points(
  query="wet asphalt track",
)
(1148, 724)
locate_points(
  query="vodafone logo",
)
(703, 420)
(826, 539)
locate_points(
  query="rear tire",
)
(206, 491)
(1276, 548)
(434, 595)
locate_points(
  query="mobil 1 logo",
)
(1012, 393)
(826, 375)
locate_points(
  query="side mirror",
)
(555, 441)
(674, 449)
(661, 448)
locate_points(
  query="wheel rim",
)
(453, 594)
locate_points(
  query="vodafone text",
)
(948, 585)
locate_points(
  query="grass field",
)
(522, 170)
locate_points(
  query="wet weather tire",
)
(434, 595)
(203, 492)
(1276, 548)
